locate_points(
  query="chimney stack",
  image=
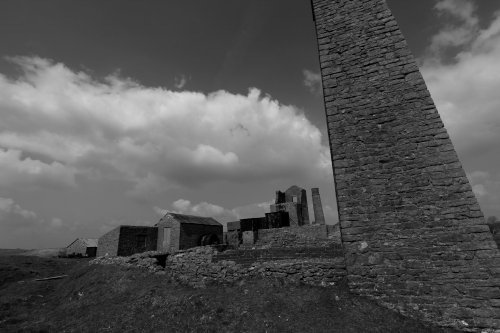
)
(319, 217)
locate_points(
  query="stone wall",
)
(413, 233)
(277, 219)
(301, 198)
(199, 266)
(128, 242)
(293, 210)
(247, 257)
(234, 238)
(190, 234)
(305, 236)
(108, 243)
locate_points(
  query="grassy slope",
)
(117, 299)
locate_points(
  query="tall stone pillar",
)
(319, 217)
(414, 236)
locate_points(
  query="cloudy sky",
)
(113, 112)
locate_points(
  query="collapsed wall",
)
(413, 233)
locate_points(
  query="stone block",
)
(249, 237)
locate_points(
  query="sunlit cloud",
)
(312, 80)
(153, 139)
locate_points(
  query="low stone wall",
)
(304, 236)
(247, 257)
(200, 266)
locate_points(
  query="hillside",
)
(96, 298)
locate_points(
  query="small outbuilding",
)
(181, 232)
(82, 247)
(126, 240)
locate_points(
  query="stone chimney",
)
(319, 217)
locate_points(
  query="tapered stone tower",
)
(319, 216)
(413, 233)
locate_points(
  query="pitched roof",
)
(88, 242)
(294, 189)
(91, 242)
(192, 219)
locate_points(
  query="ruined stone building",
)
(85, 247)
(294, 202)
(290, 210)
(126, 240)
(180, 232)
(172, 233)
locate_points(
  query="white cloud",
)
(14, 217)
(153, 139)
(221, 214)
(183, 206)
(8, 209)
(56, 222)
(462, 29)
(18, 171)
(312, 81)
(253, 210)
(160, 211)
(466, 92)
(486, 187)
(180, 82)
(479, 190)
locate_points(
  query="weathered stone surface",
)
(305, 236)
(247, 257)
(126, 240)
(319, 217)
(201, 265)
(144, 260)
(414, 236)
(249, 237)
(180, 231)
(294, 212)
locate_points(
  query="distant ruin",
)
(294, 202)
(172, 233)
(81, 247)
(319, 216)
(289, 215)
(413, 233)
